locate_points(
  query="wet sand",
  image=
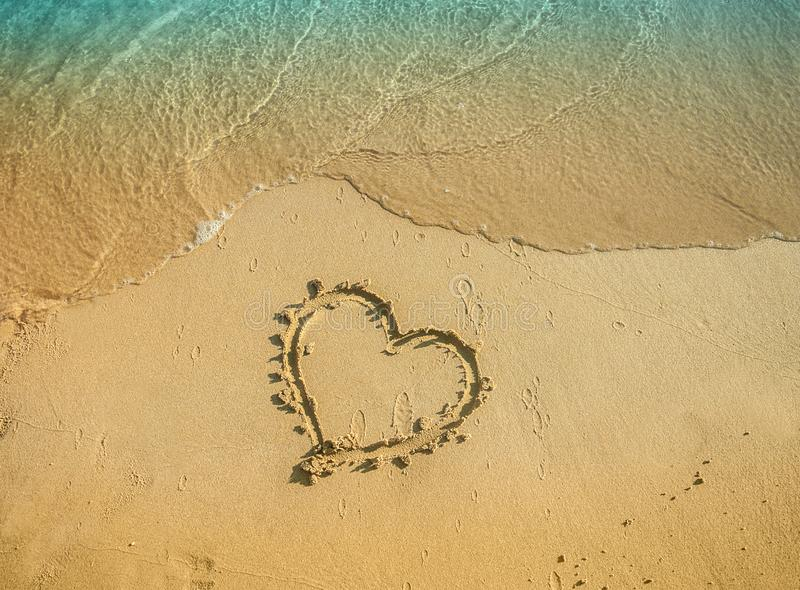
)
(641, 430)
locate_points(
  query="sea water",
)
(567, 124)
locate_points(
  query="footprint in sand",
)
(402, 415)
(541, 420)
(358, 427)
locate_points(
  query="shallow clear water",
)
(569, 124)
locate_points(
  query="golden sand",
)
(642, 431)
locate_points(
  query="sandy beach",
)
(419, 295)
(640, 431)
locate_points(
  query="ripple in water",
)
(564, 123)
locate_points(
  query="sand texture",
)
(640, 428)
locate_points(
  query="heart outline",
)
(329, 455)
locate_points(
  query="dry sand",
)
(642, 431)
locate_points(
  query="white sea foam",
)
(207, 229)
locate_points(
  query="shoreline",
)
(22, 311)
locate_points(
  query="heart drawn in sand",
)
(329, 454)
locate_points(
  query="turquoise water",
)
(570, 124)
